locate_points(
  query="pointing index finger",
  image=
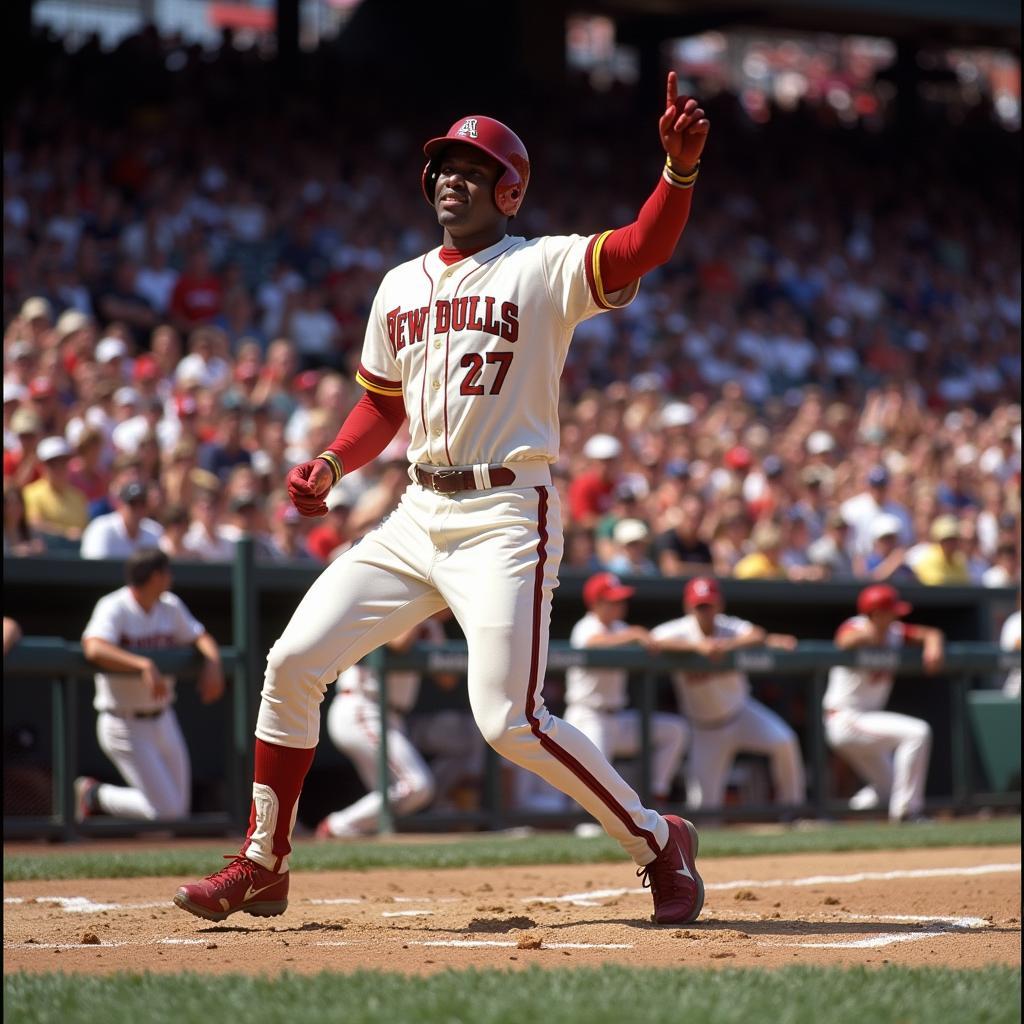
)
(671, 89)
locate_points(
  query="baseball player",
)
(596, 697)
(467, 342)
(889, 751)
(724, 718)
(137, 727)
(353, 724)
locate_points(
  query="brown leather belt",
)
(451, 481)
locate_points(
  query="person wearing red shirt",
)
(199, 293)
(592, 492)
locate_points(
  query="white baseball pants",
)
(353, 724)
(492, 557)
(617, 734)
(756, 730)
(889, 751)
(151, 755)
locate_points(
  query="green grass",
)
(609, 995)
(502, 850)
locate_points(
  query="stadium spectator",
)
(679, 549)
(54, 507)
(20, 540)
(12, 634)
(887, 560)
(943, 561)
(124, 531)
(631, 558)
(764, 561)
(591, 492)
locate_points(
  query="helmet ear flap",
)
(429, 180)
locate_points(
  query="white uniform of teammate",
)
(353, 724)
(724, 718)
(137, 731)
(596, 705)
(890, 751)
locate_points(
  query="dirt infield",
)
(942, 907)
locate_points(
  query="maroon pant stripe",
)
(559, 753)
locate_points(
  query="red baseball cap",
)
(146, 368)
(738, 457)
(605, 586)
(702, 590)
(41, 387)
(882, 598)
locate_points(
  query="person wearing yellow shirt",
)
(763, 562)
(53, 505)
(943, 561)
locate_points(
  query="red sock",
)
(281, 770)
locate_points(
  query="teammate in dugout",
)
(596, 697)
(468, 342)
(137, 727)
(353, 724)
(889, 751)
(725, 719)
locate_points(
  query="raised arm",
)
(630, 252)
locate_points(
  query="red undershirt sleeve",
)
(368, 429)
(630, 252)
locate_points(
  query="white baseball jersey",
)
(1009, 640)
(477, 389)
(862, 689)
(119, 619)
(708, 698)
(603, 689)
(403, 687)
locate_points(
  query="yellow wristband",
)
(332, 460)
(683, 180)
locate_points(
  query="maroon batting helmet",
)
(497, 141)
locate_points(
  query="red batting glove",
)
(308, 484)
(683, 129)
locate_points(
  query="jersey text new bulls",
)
(483, 313)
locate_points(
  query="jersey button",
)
(437, 343)
(436, 432)
(436, 385)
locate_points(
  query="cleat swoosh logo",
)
(250, 892)
(684, 871)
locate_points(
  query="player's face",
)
(464, 197)
(705, 613)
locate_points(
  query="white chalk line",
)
(497, 943)
(407, 913)
(592, 897)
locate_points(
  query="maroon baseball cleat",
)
(243, 885)
(677, 888)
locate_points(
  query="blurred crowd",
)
(822, 384)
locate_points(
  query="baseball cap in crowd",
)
(21, 350)
(678, 414)
(53, 448)
(146, 368)
(738, 457)
(878, 476)
(126, 396)
(772, 466)
(885, 525)
(71, 320)
(945, 528)
(602, 446)
(14, 392)
(36, 308)
(882, 598)
(629, 531)
(109, 349)
(307, 380)
(702, 590)
(605, 586)
(41, 387)
(819, 442)
(26, 421)
(132, 493)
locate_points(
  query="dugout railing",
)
(62, 666)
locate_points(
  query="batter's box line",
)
(952, 926)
